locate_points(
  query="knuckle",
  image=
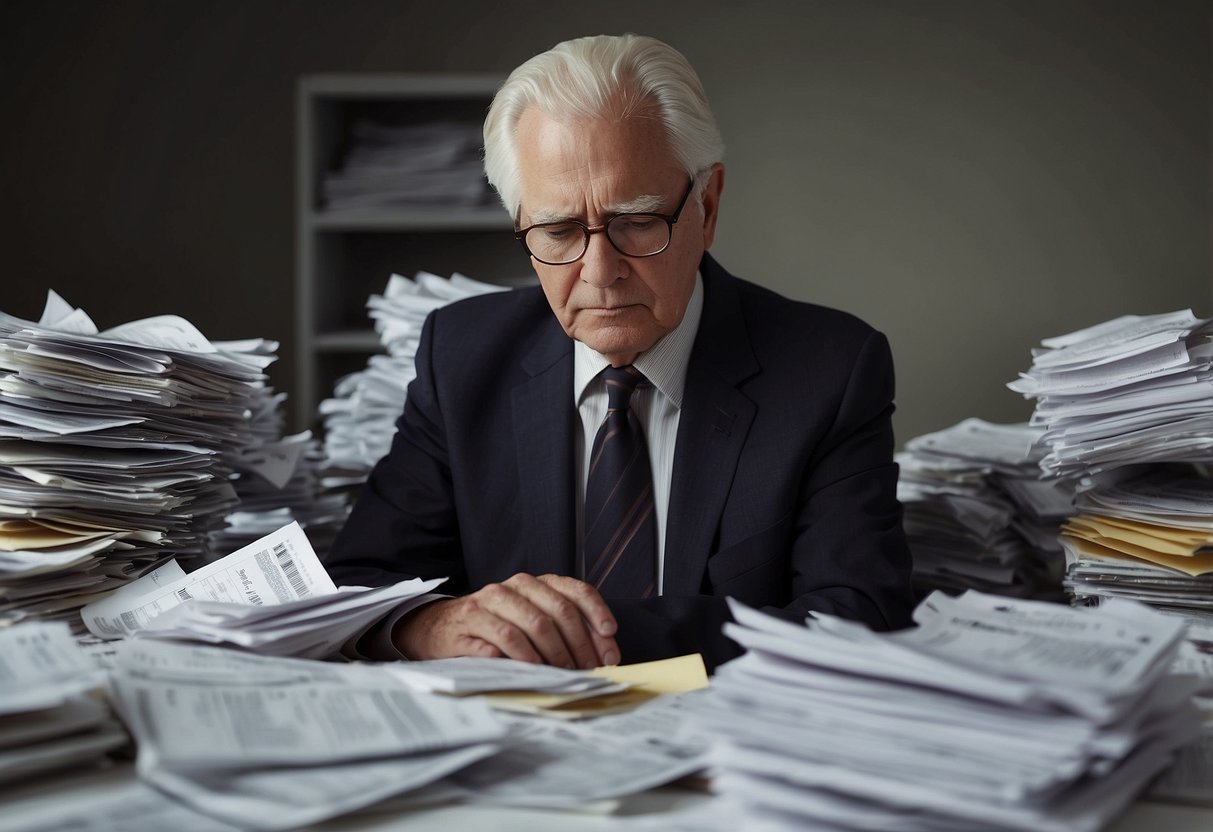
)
(492, 592)
(558, 583)
(582, 590)
(523, 580)
(505, 633)
(564, 610)
(539, 624)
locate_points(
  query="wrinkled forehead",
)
(573, 167)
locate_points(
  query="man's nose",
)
(602, 264)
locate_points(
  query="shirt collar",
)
(664, 364)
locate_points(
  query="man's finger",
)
(559, 616)
(461, 627)
(530, 611)
(591, 605)
(592, 609)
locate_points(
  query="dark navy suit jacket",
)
(783, 492)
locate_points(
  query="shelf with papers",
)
(411, 219)
(389, 181)
(350, 340)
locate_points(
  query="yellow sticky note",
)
(676, 675)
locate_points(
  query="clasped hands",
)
(545, 619)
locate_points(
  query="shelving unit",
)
(345, 255)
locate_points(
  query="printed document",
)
(279, 567)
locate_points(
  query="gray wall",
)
(968, 176)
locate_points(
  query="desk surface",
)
(24, 803)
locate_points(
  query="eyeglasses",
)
(632, 235)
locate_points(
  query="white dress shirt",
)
(657, 405)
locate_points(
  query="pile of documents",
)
(116, 449)
(266, 742)
(541, 763)
(277, 482)
(1190, 778)
(1148, 538)
(977, 513)
(993, 713)
(429, 164)
(272, 597)
(271, 743)
(1135, 389)
(50, 714)
(1127, 410)
(360, 418)
(564, 765)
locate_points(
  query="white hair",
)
(606, 76)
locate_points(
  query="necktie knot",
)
(621, 382)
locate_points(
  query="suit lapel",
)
(543, 419)
(712, 429)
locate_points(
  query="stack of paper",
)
(116, 448)
(579, 766)
(360, 419)
(567, 765)
(568, 759)
(977, 514)
(435, 163)
(50, 717)
(1148, 538)
(1190, 778)
(1131, 390)
(276, 477)
(993, 713)
(1127, 408)
(272, 597)
(278, 482)
(270, 743)
(318, 627)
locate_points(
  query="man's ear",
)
(711, 204)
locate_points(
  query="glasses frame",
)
(588, 230)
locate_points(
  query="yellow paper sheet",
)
(646, 680)
(677, 675)
(1193, 565)
(1168, 540)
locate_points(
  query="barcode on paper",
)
(287, 562)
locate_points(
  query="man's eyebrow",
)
(643, 204)
(542, 217)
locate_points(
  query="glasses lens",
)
(561, 242)
(639, 235)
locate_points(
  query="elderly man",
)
(598, 464)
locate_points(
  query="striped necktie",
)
(620, 525)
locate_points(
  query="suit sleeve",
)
(840, 550)
(404, 523)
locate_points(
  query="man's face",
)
(590, 170)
